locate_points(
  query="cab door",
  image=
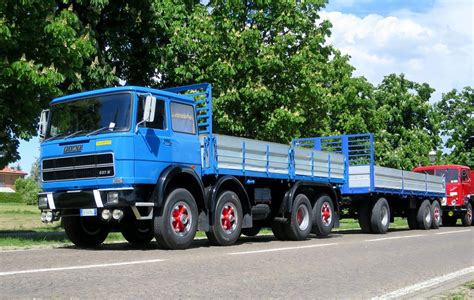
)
(153, 151)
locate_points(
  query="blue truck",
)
(146, 163)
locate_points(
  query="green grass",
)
(465, 291)
(10, 198)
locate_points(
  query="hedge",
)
(10, 197)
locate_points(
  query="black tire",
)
(136, 232)
(323, 216)
(424, 216)
(228, 219)
(436, 215)
(411, 219)
(449, 221)
(251, 231)
(176, 232)
(380, 216)
(85, 232)
(466, 217)
(301, 219)
(278, 229)
(364, 217)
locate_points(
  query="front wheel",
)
(423, 217)
(227, 220)
(323, 216)
(466, 217)
(176, 226)
(85, 232)
(435, 214)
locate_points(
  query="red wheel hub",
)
(180, 218)
(326, 213)
(299, 216)
(228, 218)
(436, 213)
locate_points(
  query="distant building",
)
(8, 177)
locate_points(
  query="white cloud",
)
(436, 46)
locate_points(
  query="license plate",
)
(88, 212)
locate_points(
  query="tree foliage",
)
(457, 124)
(274, 74)
(28, 190)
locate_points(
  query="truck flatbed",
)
(228, 155)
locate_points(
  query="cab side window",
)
(160, 114)
(464, 175)
(182, 118)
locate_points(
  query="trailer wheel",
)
(85, 232)
(436, 214)
(411, 219)
(466, 217)
(136, 232)
(423, 217)
(364, 217)
(380, 216)
(323, 216)
(227, 220)
(301, 219)
(278, 229)
(449, 221)
(176, 226)
(251, 231)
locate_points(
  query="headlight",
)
(43, 201)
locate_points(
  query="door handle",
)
(167, 142)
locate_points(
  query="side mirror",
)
(149, 109)
(464, 176)
(43, 123)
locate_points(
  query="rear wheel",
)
(380, 216)
(424, 215)
(176, 227)
(136, 232)
(364, 217)
(411, 219)
(251, 231)
(278, 229)
(85, 232)
(301, 219)
(227, 220)
(323, 216)
(435, 214)
(466, 217)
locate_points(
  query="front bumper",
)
(96, 198)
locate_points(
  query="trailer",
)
(146, 163)
(375, 195)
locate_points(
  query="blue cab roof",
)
(137, 89)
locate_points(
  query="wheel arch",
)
(183, 177)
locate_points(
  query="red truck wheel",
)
(301, 219)
(323, 216)
(435, 215)
(228, 219)
(176, 227)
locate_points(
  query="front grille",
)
(78, 167)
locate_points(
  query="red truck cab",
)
(459, 192)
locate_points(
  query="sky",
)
(429, 41)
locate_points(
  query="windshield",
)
(450, 175)
(87, 115)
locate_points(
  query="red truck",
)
(459, 192)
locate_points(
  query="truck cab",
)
(459, 192)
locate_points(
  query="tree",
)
(46, 51)
(408, 124)
(28, 190)
(35, 174)
(456, 110)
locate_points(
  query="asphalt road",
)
(350, 265)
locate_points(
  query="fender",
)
(211, 199)
(165, 178)
(287, 203)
